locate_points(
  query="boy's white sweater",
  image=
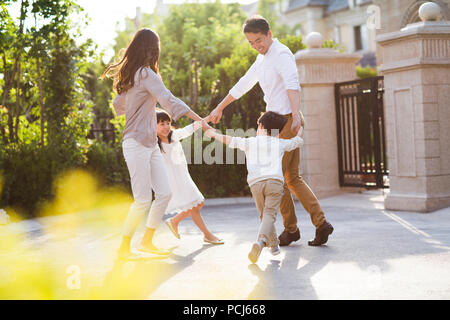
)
(264, 155)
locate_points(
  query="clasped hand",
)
(203, 124)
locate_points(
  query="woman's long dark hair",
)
(143, 51)
(160, 117)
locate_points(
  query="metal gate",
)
(361, 134)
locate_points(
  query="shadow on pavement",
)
(282, 277)
(138, 278)
(362, 249)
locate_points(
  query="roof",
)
(330, 5)
(336, 5)
(297, 4)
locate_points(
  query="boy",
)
(264, 155)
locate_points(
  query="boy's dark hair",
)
(256, 24)
(160, 117)
(272, 121)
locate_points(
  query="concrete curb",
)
(36, 224)
(249, 200)
(228, 201)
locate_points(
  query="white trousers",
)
(147, 172)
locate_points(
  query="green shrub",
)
(28, 172)
(366, 72)
(106, 161)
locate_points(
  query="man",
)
(276, 72)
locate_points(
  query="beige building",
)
(416, 69)
(397, 14)
(341, 20)
(355, 24)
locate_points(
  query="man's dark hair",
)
(272, 121)
(256, 24)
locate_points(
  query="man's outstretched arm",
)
(244, 84)
(216, 114)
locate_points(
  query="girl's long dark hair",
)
(143, 51)
(160, 117)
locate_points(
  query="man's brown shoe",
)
(322, 234)
(287, 237)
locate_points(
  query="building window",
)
(364, 37)
(357, 37)
(360, 35)
(337, 34)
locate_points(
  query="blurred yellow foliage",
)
(73, 255)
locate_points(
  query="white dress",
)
(185, 194)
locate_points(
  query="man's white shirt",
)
(276, 72)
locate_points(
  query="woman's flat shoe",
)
(219, 241)
(171, 228)
(153, 251)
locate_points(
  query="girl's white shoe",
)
(171, 228)
(218, 241)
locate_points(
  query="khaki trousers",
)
(295, 183)
(267, 195)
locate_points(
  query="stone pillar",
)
(416, 68)
(319, 69)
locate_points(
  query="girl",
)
(139, 87)
(187, 199)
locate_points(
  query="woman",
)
(139, 87)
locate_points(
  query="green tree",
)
(194, 37)
(270, 9)
(12, 47)
(41, 80)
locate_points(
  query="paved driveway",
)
(373, 254)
